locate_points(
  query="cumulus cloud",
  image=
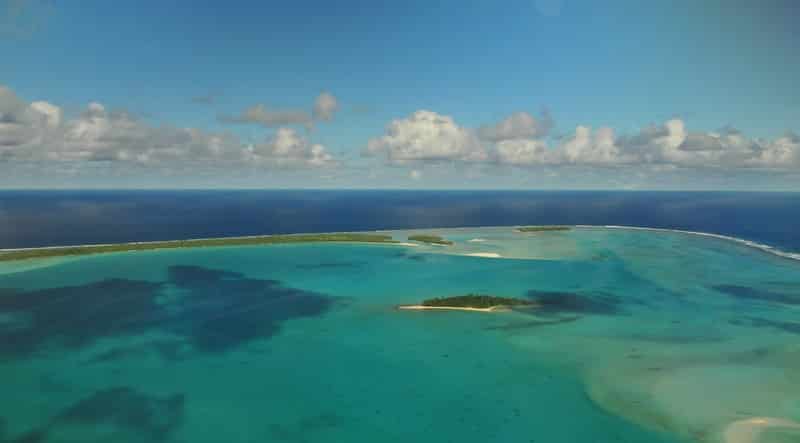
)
(598, 148)
(324, 109)
(21, 123)
(671, 143)
(427, 136)
(524, 152)
(520, 140)
(38, 131)
(289, 149)
(520, 125)
(782, 152)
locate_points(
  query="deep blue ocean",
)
(48, 218)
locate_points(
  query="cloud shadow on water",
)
(210, 309)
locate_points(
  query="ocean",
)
(636, 335)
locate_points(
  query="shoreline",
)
(18, 254)
(497, 308)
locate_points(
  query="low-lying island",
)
(469, 302)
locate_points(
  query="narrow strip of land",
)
(469, 302)
(453, 308)
(430, 239)
(547, 228)
(62, 251)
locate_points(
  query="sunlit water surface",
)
(642, 337)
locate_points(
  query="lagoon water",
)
(642, 337)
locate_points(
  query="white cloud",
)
(427, 136)
(325, 106)
(415, 174)
(520, 140)
(523, 152)
(288, 149)
(671, 143)
(39, 132)
(520, 125)
(22, 124)
(599, 148)
(783, 152)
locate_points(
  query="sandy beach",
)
(748, 430)
(484, 254)
(452, 308)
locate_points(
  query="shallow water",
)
(642, 337)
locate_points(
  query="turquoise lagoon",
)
(642, 336)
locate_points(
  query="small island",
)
(61, 251)
(469, 302)
(542, 228)
(431, 239)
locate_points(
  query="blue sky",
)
(677, 95)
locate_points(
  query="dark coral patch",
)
(792, 327)
(749, 293)
(210, 309)
(225, 309)
(75, 315)
(576, 303)
(113, 413)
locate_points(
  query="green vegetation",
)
(475, 301)
(543, 228)
(428, 238)
(231, 241)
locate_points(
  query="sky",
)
(539, 94)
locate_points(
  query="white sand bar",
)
(451, 308)
(748, 430)
(484, 254)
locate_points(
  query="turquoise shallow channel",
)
(640, 336)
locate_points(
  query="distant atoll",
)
(469, 302)
(542, 228)
(431, 239)
(21, 254)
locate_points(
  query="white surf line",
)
(741, 241)
(748, 430)
(476, 240)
